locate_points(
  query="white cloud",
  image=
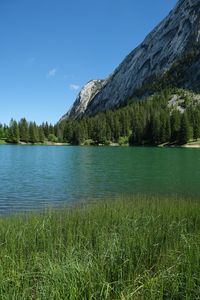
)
(52, 72)
(74, 87)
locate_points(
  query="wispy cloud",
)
(52, 72)
(74, 87)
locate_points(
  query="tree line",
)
(27, 132)
(148, 122)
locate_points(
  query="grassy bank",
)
(141, 248)
(2, 142)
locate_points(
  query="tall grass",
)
(139, 248)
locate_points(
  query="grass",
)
(135, 248)
(2, 142)
(194, 142)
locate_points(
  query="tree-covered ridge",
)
(153, 121)
(178, 76)
(168, 117)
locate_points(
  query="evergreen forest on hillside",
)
(149, 122)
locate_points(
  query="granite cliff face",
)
(176, 36)
(87, 93)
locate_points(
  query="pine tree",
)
(185, 129)
(165, 128)
(77, 137)
(46, 129)
(5, 131)
(175, 122)
(68, 132)
(13, 132)
(1, 132)
(156, 129)
(33, 133)
(24, 131)
(51, 129)
(196, 124)
(41, 134)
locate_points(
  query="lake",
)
(38, 176)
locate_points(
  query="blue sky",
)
(50, 48)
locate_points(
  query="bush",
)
(52, 138)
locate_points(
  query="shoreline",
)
(191, 146)
(188, 145)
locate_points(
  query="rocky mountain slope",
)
(169, 54)
(87, 93)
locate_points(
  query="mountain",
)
(87, 93)
(169, 56)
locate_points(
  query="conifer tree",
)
(156, 129)
(33, 133)
(41, 134)
(46, 129)
(68, 132)
(1, 132)
(175, 122)
(196, 124)
(185, 129)
(24, 131)
(13, 132)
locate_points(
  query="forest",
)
(149, 122)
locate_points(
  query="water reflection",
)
(36, 176)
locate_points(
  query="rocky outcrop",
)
(175, 36)
(81, 103)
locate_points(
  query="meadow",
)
(139, 247)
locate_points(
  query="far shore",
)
(47, 143)
(191, 146)
(35, 144)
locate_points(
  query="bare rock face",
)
(81, 103)
(170, 40)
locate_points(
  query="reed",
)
(130, 248)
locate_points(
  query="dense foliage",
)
(152, 121)
(27, 132)
(178, 76)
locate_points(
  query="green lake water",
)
(38, 176)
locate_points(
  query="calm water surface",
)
(38, 176)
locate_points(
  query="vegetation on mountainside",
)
(149, 122)
(152, 122)
(177, 76)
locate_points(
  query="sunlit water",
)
(39, 176)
